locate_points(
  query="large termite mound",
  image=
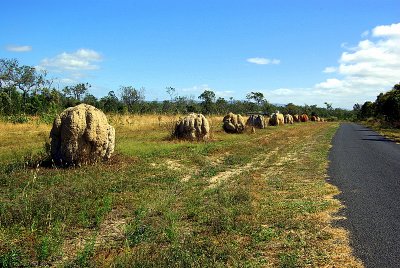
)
(80, 135)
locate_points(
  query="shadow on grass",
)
(44, 160)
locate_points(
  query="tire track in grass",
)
(262, 159)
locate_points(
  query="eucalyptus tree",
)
(208, 99)
(132, 97)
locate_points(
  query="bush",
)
(48, 118)
(331, 119)
(17, 119)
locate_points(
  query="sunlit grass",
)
(16, 140)
(238, 200)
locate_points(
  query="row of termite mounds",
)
(276, 119)
(196, 126)
(82, 135)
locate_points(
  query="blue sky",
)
(304, 52)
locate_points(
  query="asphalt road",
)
(366, 168)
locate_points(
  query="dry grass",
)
(256, 200)
(384, 129)
(18, 139)
(153, 122)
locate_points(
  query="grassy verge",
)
(250, 200)
(384, 129)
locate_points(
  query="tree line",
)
(24, 90)
(386, 107)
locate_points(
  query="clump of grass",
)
(11, 258)
(49, 244)
(138, 231)
(83, 257)
(288, 260)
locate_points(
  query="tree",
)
(171, 93)
(90, 99)
(208, 98)
(180, 104)
(314, 109)
(110, 103)
(367, 109)
(77, 91)
(292, 109)
(221, 106)
(7, 85)
(7, 68)
(5, 103)
(306, 109)
(387, 105)
(25, 78)
(258, 97)
(131, 97)
(357, 110)
(356, 107)
(28, 79)
(328, 106)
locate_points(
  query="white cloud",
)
(330, 69)
(392, 30)
(14, 48)
(282, 92)
(80, 60)
(330, 83)
(71, 68)
(263, 61)
(196, 89)
(365, 34)
(275, 61)
(365, 70)
(66, 81)
(344, 45)
(224, 94)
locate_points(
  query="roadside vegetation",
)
(26, 91)
(382, 127)
(382, 115)
(250, 200)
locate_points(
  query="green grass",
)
(153, 204)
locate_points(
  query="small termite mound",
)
(192, 127)
(233, 123)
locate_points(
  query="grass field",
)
(249, 200)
